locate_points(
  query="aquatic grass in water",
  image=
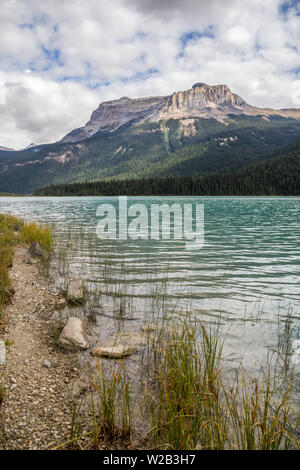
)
(111, 406)
(184, 391)
(189, 401)
(193, 407)
(182, 386)
(185, 397)
(261, 417)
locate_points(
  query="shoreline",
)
(37, 406)
(45, 385)
(155, 196)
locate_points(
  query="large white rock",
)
(75, 291)
(121, 345)
(2, 353)
(74, 335)
(114, 352)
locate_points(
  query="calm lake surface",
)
(246, 274)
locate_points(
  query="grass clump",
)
(185, 398)
(14, 231)
(7, 242)
(193, 407)
(110, 409)
(31, 233)
(111, 406)
(260, 415)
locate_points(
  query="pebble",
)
(47, 364)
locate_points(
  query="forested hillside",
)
(143, 150)
(278, 176)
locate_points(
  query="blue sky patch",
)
(26, 25)
(53, 55)
(140, 75)
(194, 35)
(287, 5)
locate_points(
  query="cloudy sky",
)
(60, 58)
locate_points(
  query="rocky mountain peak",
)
(203, 100)
(31, 145)
(199, 84)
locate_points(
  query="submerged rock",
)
(2, 353)
(121, 345)
(74, 336)
(36, 251)
(163, 330)
(75, 292)
(34, 254)
(150, 327)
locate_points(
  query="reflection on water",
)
(247, 273)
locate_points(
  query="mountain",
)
(6, 149)
(201, 101)
(30, 146)
(201, 131)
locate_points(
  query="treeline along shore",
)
(277, 177)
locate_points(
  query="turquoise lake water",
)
(247, 272)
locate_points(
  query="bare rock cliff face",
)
(204, 101)
(112, 114)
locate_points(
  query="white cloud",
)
(238, 36)
(40, 110)
(59, 59)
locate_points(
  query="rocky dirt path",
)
(37, 407)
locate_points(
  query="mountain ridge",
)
(200, 131)
(202, 100)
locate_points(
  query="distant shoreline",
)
(156, 195)
(13, 195)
